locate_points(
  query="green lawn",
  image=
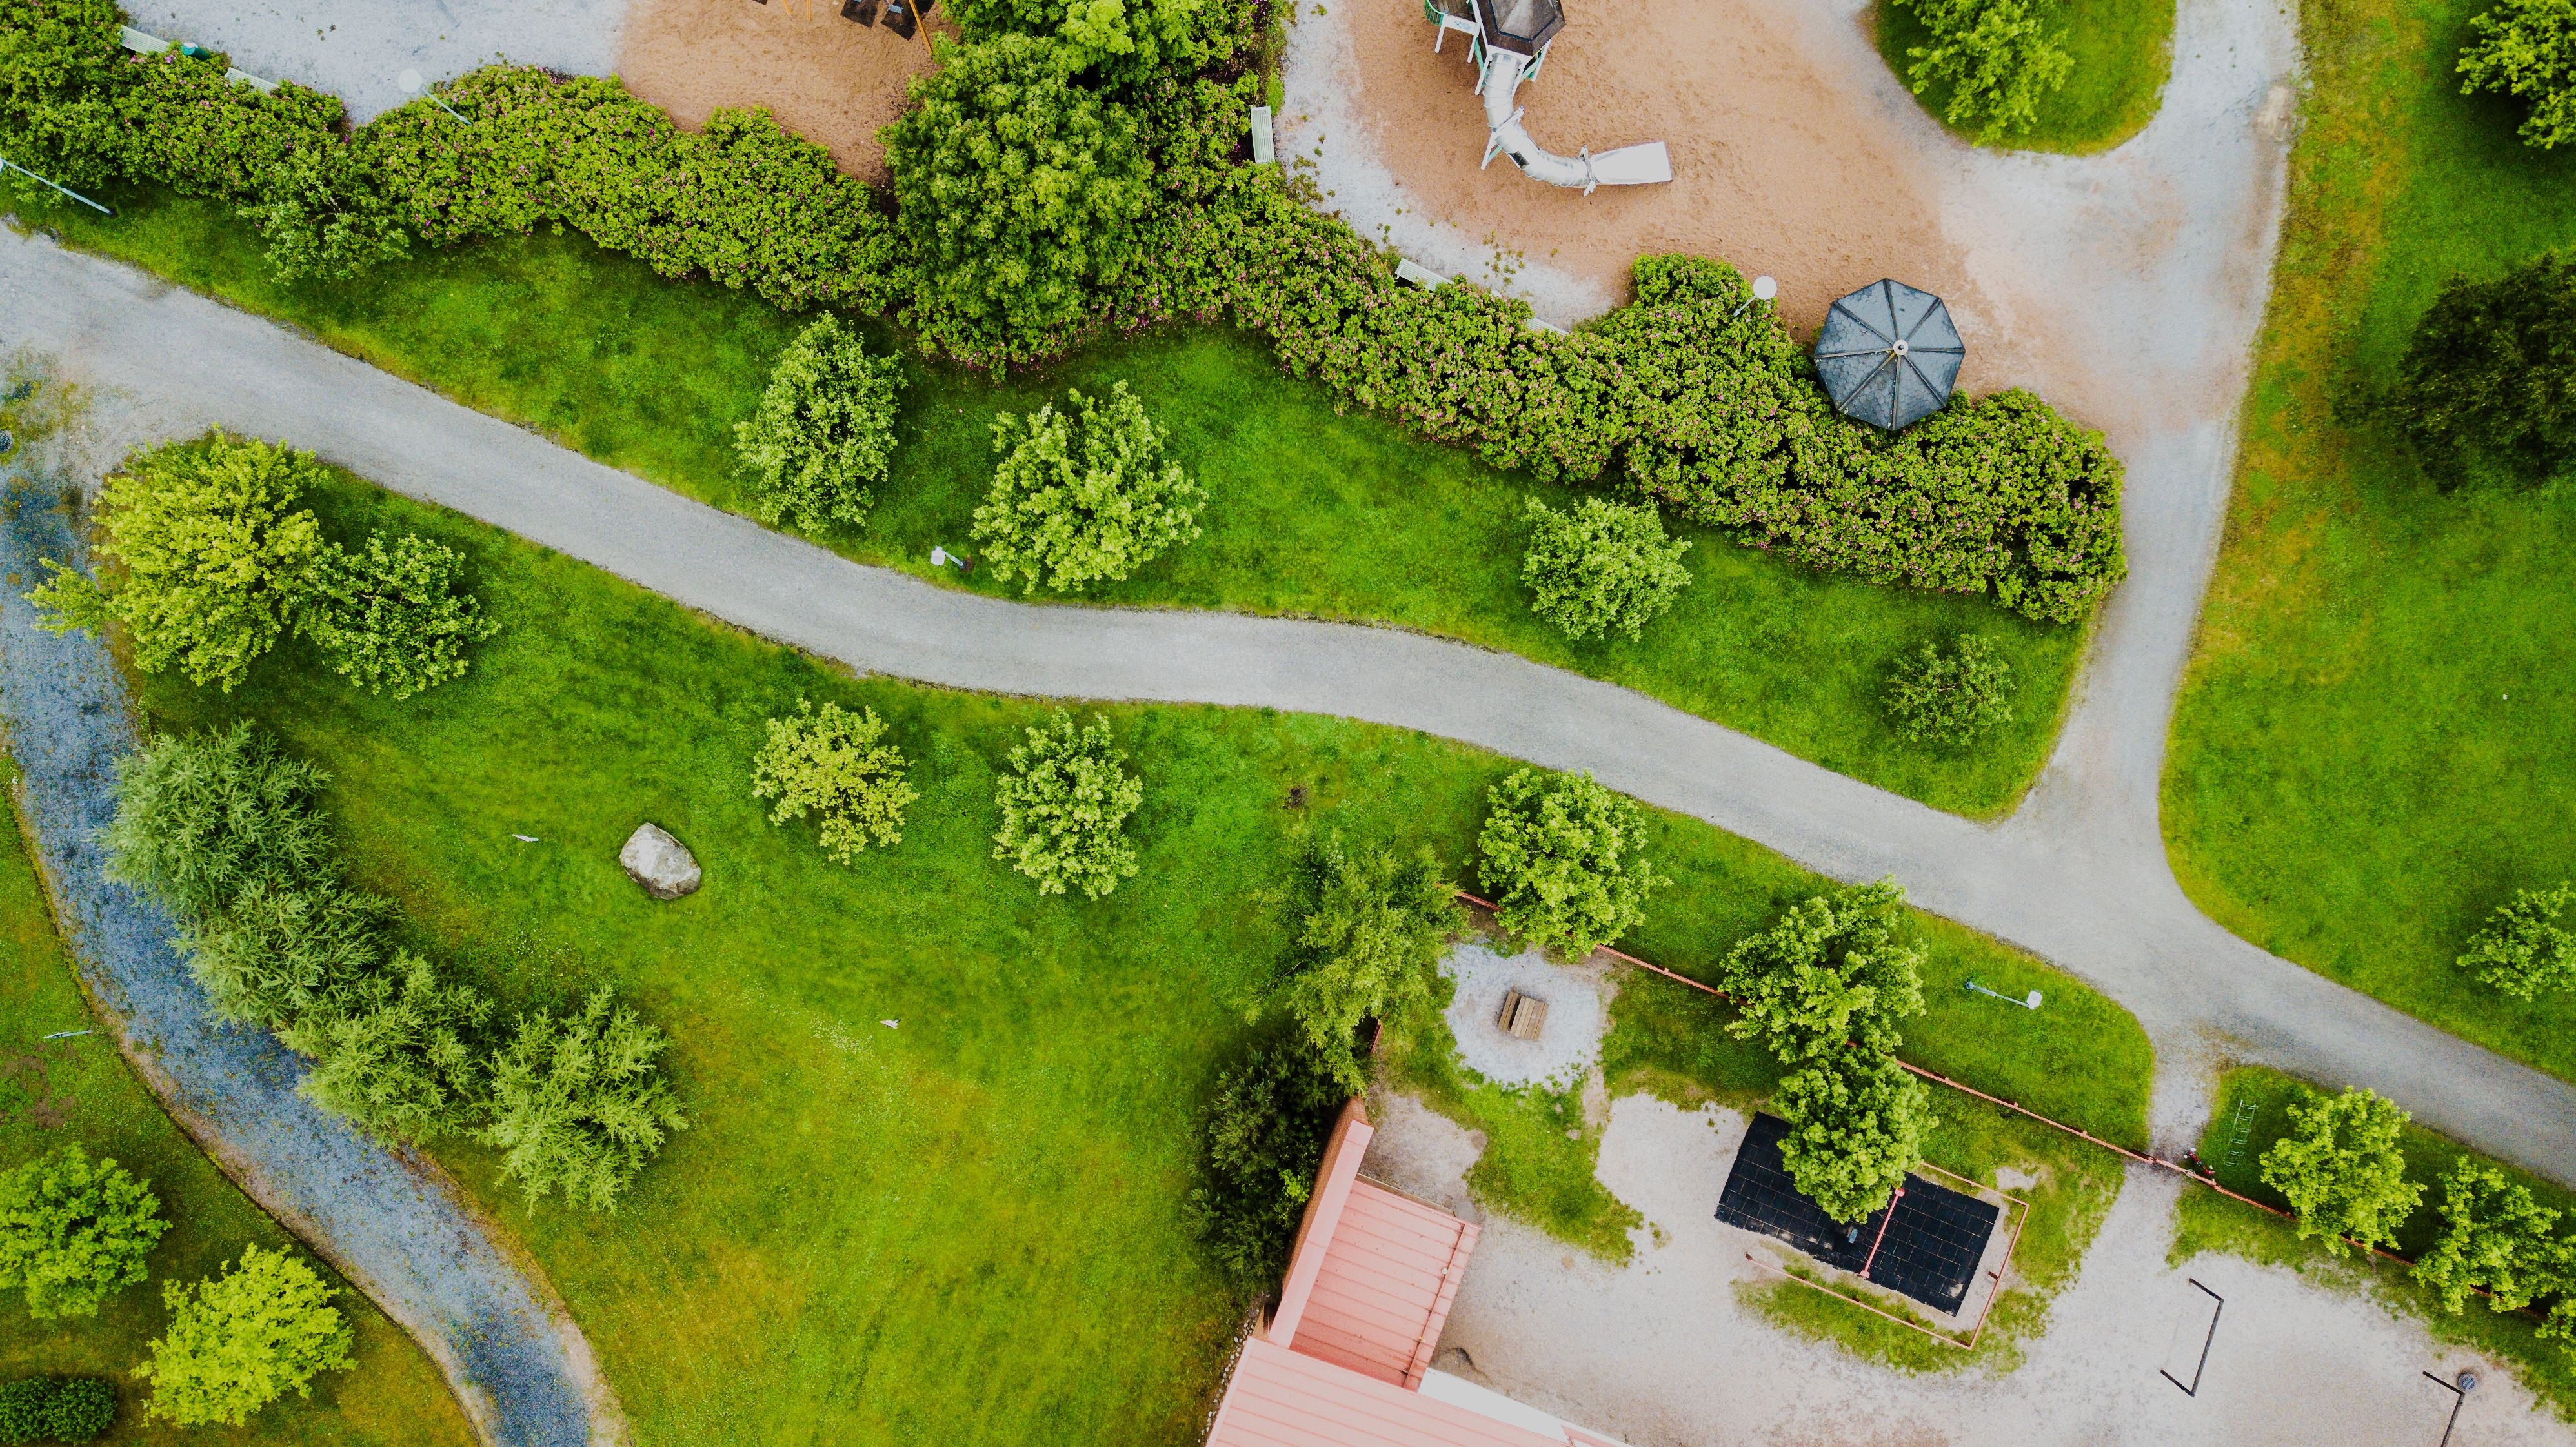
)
(79, 1091)
(2211, 1222)
(1314, 509)
(2123, 52)
(2376, 741)
(858, 1210)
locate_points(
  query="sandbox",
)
(834, 81)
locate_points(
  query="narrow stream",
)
(400, 1234)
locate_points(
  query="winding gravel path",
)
(390, 1222)
(2077, 876)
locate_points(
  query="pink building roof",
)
(1388, 1277)
(1283, 1398)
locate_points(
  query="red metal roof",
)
(1281, 1398)
(1384, 1290)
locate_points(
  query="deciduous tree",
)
(1831, 971)
(1601, 565)
(74, 1232)
(2527, 49)
(1565, 860)
(2521, 949)
(1950, 698)
(830, 763)
(1064, 806)
(1856, 1125)
(1370, 929)
(394, 617)
(824, 431)
(2488, 382)
(239, 1341)
(2495, 1238)
(1085, 497)
(1997, 56)
(2341, 1169)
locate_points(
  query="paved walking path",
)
(392, 1224)
(2077, 876)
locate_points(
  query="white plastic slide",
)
(1643, 165)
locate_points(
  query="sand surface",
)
(1569, 1043)
(1663, 1352)
(833, 81)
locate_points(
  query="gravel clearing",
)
(357, 52)
(1578, 1003)
(390, 1221)
(1663, 1352)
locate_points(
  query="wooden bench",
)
(1521, 1016)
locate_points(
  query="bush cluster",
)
(74, 1232)
(1565, 861)
(831, 764)
(1824, 988)
(1084, 496)
(56, 1409)
(2488, 382)
(228, 832)
(2527, 49)
(214, 564)
(1064, 808)
(1950, 698)
(236, 1342)
(1998, 57)
(1034, 173)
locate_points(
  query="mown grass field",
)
(2123, 51)
(2211, 1222)
(1000, 1178)
(1313, 509)
(80, 1091)
(2376, 741)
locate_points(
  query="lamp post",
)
(2031, 1003)
(410, 82)
(2464, 1384)
(1764, 288)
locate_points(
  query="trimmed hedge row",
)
(56, 1409)
(1681, 397)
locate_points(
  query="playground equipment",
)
(1508, 41)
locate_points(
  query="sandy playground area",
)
(834, 81)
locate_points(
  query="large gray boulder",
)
(660, 863)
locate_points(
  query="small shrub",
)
(1603, 565)
(2495, 1238)
(823, 432)
(201, 818)
(578, 1104)
(237, 1342)
(73, 1232)
(1070, 513)
(393, 618)
(831, 764)
(2527, 49)
(1018, 198)
(277, 952)
(1857, 1123)
(2521, 950)
(325, 219)
(1261, 1142)
(1997, 56)
(1565, 861)
(398, 1052)
(1950, 698)
(1370, 929)
(1832, 971)
(2342, 1171)
(2488, 383)
(214, 564)
(56, 1409)
(1064, 805)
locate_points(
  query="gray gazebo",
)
(1889, 355)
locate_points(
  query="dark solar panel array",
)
(1934, 1239)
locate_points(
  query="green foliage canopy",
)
(1069, 514)
(2488, 382)
(398, 1051)
(215, 565)
(1261, 1142)
(1832, 970)
(2527, 49)
(74, 1232)
(824, 429)
(1370, 927)
(578, 1104)
(56, 1409)
(59, 74)
(831, 764)
(1997, 56)
(1565, 861)
(2495, 1238)
(201, 819)
(1950, 698)
(1064, 806)
(1019, 198)
(1856, 1125)
(1120, 40)
(1600, 566)
(239, 1341)
(2341, 1169)
(395, 618)
(2522, 949)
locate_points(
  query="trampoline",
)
(1933, 1236)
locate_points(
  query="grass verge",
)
(2211, 1222)
(2123, 52)
(80, 1091)
(1000, 1177)
(2376, 740)
(1315, 510)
